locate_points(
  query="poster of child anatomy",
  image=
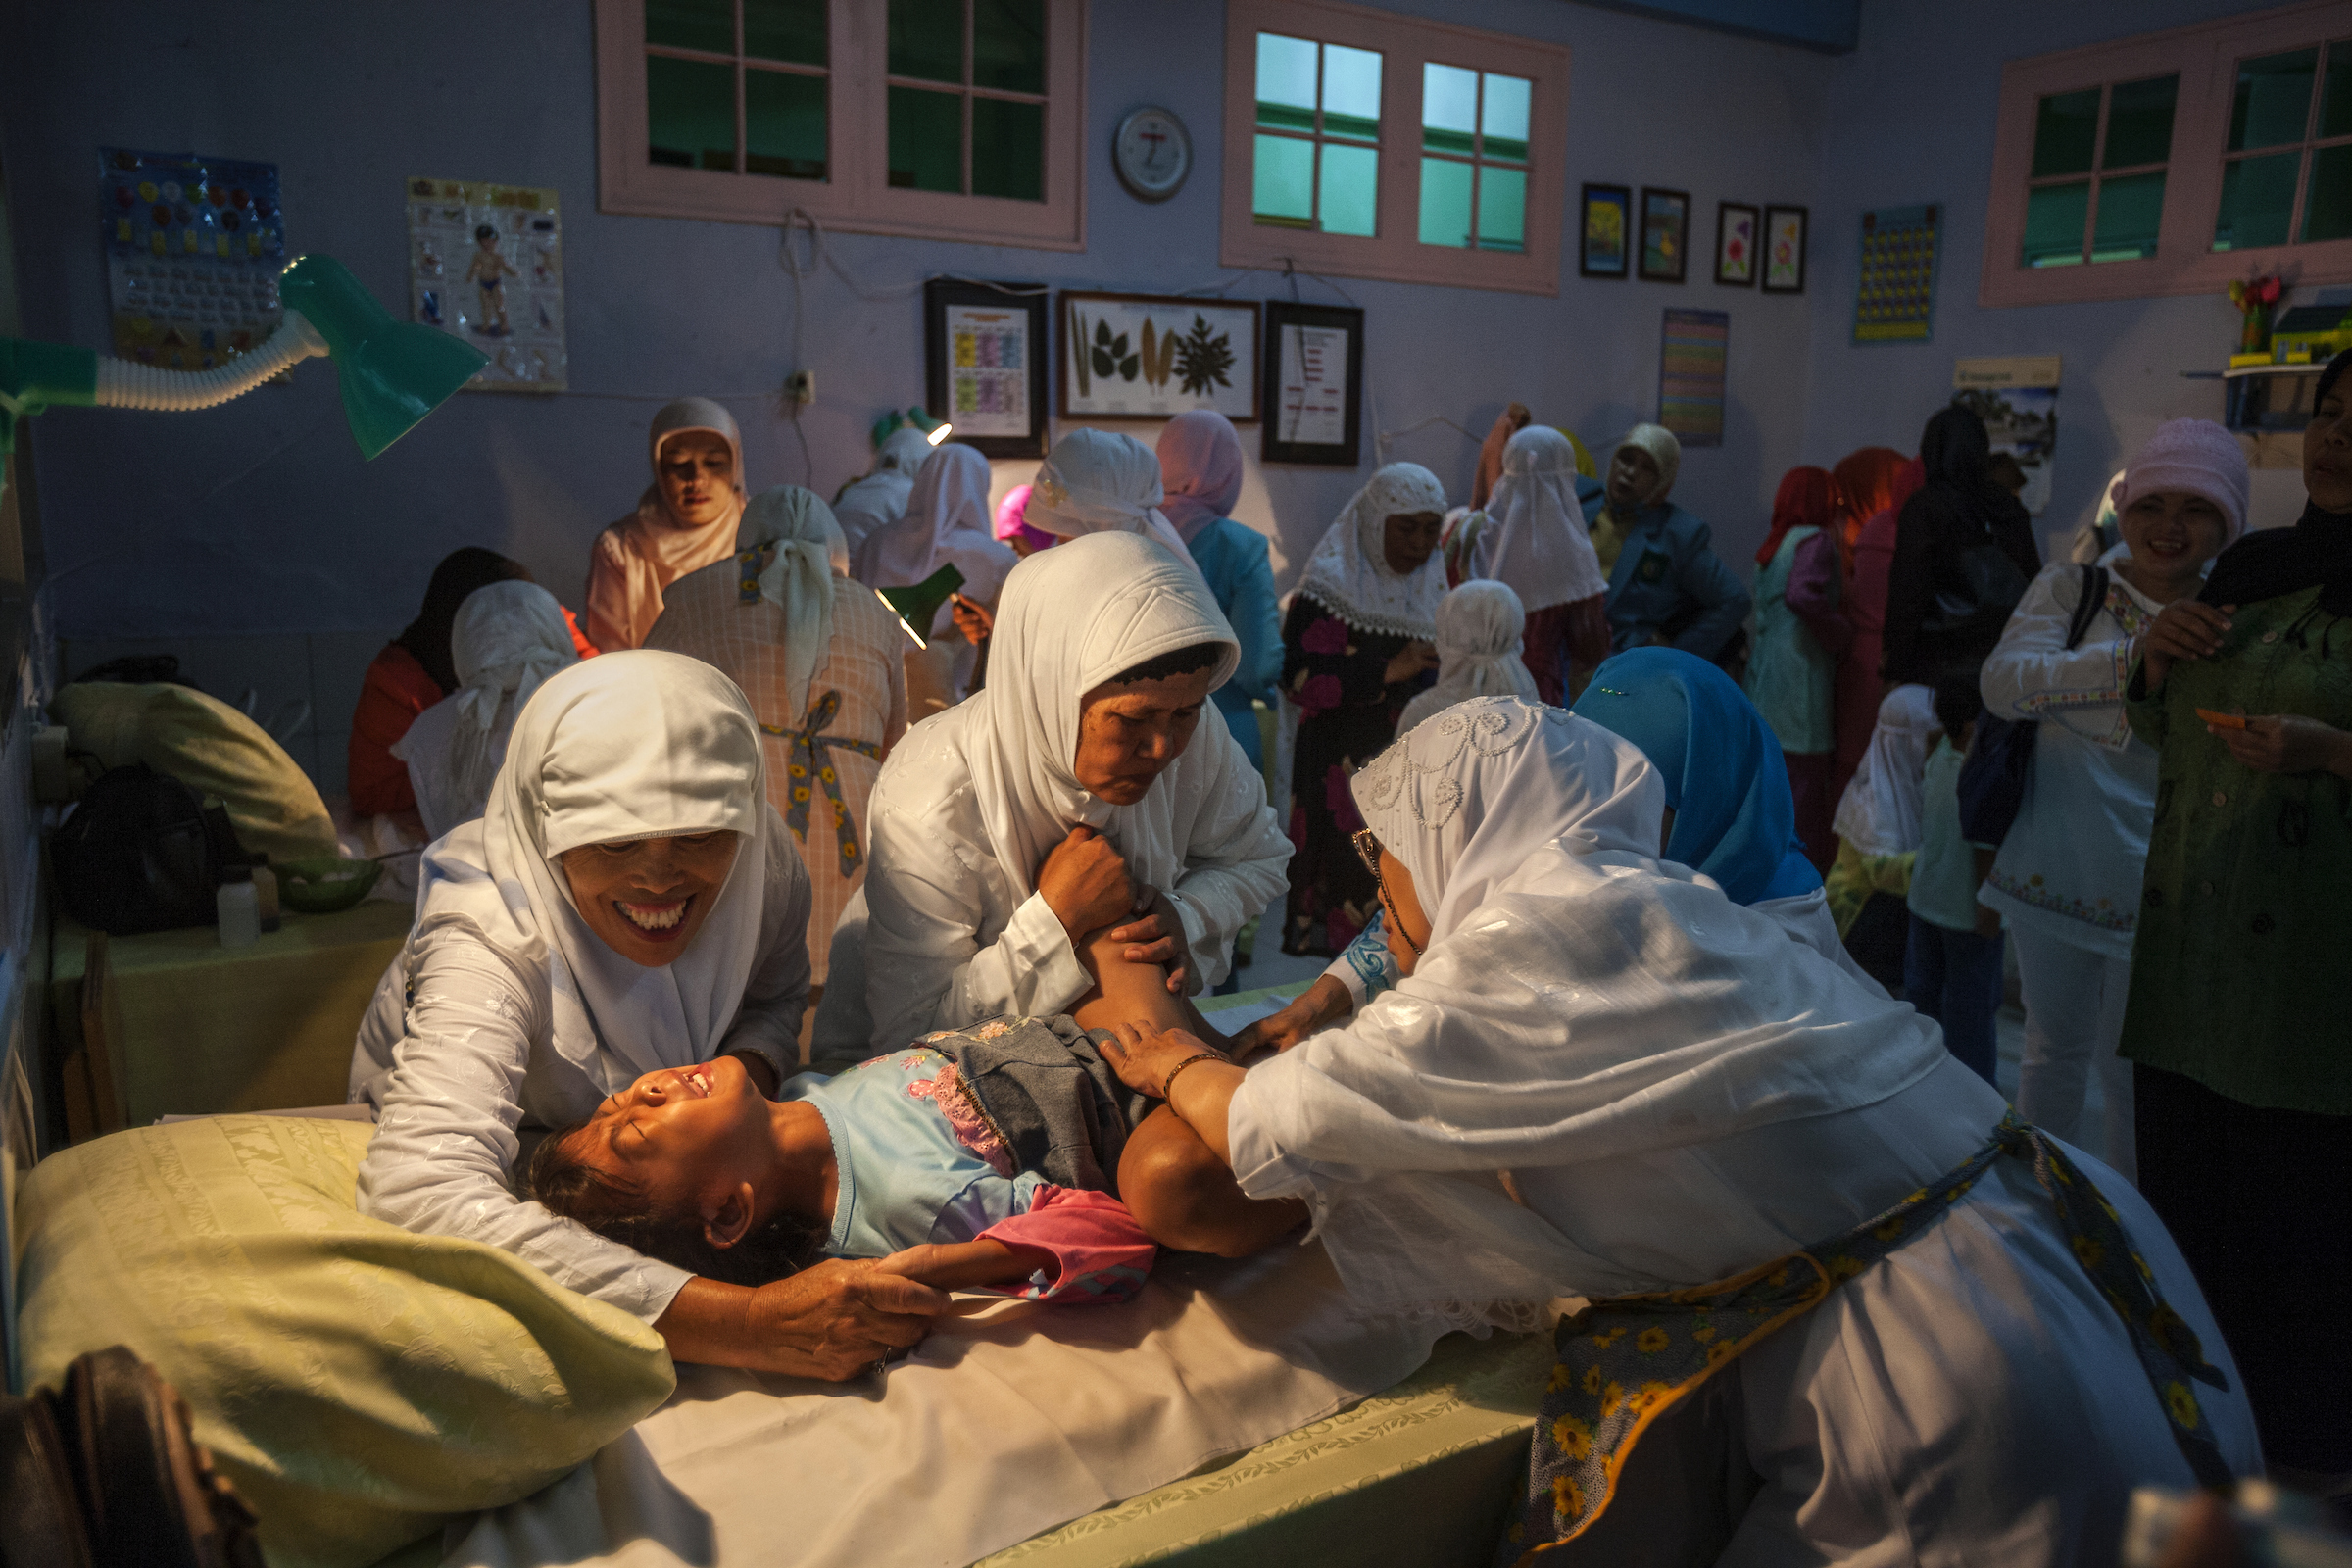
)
(486, 265)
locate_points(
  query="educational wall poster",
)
(2017, 398)
(1314, 384)
(1153, 355)
(1608, 220)
(193, 249)
(1690, 371)
(486, 265)
(1898, 293)
(984, 364)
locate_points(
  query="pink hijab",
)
(1199, 469)
(1012, 526)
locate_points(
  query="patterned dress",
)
(821, 763)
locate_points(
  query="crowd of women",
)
(1594, 1023)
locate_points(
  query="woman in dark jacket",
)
(1964, 553)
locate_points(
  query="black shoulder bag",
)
(1993, 781)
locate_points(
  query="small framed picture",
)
(1608, 220)
(1314, 385)
(984, 361)
(1737, 226)
(1784, 250)
(1154, 356)
(1665, 235)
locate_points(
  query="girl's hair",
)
(620, 1211)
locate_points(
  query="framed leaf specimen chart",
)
(984, 352)
(1154, 356)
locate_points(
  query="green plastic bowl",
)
(324, 885)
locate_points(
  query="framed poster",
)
(1314, 385)
(486, 265)
(1665, 235)
(1735, 228)
(1691, 372)
(2017, 398)
(1154, 356)
(1784, 250)
(984, 364)
(1897, 292)
(1608, 218)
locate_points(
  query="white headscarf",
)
(1879, 811)
(1535, 539)
(1070, 618)
(1481, 632)
(797, 579)
(675, 547)
(946, 521)
(1665, 448)
(880, 497)
(1096, 481)
(1349, 572)
(631, 745)
(508, 639)
(1577, 1000)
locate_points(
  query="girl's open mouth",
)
(655, 922)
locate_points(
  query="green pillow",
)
(209, 747)
(358, 1383)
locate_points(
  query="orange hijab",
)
(1866, 483)
(1807, 499)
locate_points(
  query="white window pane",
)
(1351, 91)
(1449, 105)
(1286, 81)
(1504, 119)
(1350, 189)
(1444, 202)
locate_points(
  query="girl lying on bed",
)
(1005, 1155)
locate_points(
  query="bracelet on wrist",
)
(1167, 1085)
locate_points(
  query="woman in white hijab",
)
(819, 658)
(629, 904)
(879, 499)
(1479, 637)
(508, 638)
(1876, 1321)
(1078, 788)
(684, 522)
(1098, 481)
(1533, 537)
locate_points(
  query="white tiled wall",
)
(324, 668)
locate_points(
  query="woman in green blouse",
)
(2239, 1021)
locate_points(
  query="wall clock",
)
(1153, 154)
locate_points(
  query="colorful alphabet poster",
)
(1690, 371)
(1897, 294)
(486, 265)
(193, 249)
(988, 369)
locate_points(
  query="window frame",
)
(855, 196)
(1395, 253)
(2206, 56)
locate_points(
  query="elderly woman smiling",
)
(629, 903)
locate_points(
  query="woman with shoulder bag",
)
(1964, 553)
(2067, 878)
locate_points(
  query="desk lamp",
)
(392, 373)
(934, 431)
(918, 606)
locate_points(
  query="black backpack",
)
(143, 852)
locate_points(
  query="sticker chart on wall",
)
(1690, 371)
(1896, 298)
(486, 265)
(984, 364)
(193, 249)
(2017, 398)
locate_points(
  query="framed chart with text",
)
(1314, 385)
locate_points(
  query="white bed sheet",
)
(998, 1426)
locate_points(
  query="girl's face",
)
(647, 898)
(1407, 539)
(1632, 476)
(2328, 452)
(2173, 531)
(698, 476)
(686, 1138)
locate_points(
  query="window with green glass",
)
(2287, 169)
(966, 97)
(1474, 142)
(2096, 183)
(737, 86)
(1317, 162)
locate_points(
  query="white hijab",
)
(947, 522)
(879, 499)
(508, 639)
(797, 579)
(674, 546)
(1481, 632)
(1536, 540)
(1098, 481)
(1071, 617)
(1879, 811)
(629, 745)
(1349, 573)
(1577, 1000)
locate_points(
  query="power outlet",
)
(801, 386)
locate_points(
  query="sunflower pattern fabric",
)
(809, 768)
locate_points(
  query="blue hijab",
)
(1726, 783)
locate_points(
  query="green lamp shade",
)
(392, 373)
(918, 607)
(890, 422)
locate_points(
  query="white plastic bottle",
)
(240, 909)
